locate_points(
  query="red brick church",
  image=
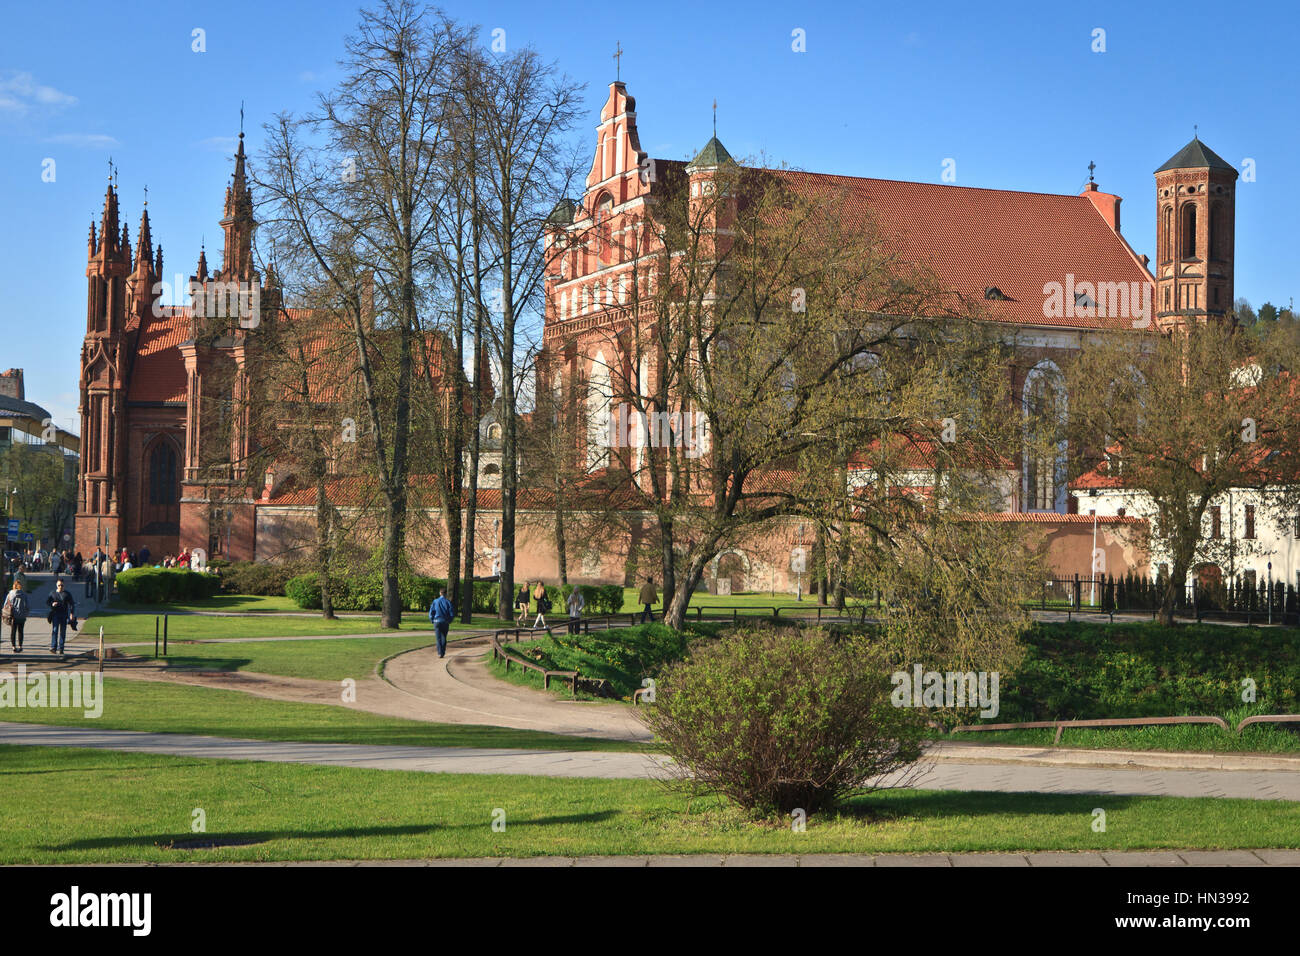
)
(1050, 270)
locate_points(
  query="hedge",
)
(165, 585)
(257, 577)
(362, 592)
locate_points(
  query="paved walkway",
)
(946, 774)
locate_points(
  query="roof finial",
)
(1091, 167)
(110, 168)
(1195, 131)
(715, 117)
(618, 62)
(241, 119)
(146, 196)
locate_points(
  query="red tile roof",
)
(975, 238)
(159, 371)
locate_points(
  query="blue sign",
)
(27, 536)
(13, 527)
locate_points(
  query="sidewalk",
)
(942, 774)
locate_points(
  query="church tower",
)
(105, 367)
(1195, 222)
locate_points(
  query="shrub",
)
(486, 594)
(165, 585)
(304, 591)
(780, 719)
(257, 577)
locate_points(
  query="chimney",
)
(1105, 203)
(11, 384)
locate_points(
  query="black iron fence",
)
(1235, 598)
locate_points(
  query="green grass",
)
(315, 660)
(245, 603)
(1199, 738)
(119, 628)
(89, 806)
(184, 709)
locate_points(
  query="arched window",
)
(599, 401)
(160, 509)
(1044, 405)
(604, 243)
(1167, 248)
(163, 488)
(1189, 230)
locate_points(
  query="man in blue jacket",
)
(441, 614)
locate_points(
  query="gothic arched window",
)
(1189, 231)
(1044, 405)
(163, 488)
(1167, 249)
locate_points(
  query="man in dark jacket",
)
(63, 611)
(441, 614)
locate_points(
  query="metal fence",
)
(1235, 599)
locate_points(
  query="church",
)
(1049, 271)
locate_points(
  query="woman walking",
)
(521, 602)
(15, 614)
(543, 604)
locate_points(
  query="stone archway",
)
(733, 567)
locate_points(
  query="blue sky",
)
(1013, 93)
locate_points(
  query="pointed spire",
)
(201, 273)
(144, 243)
(157, 262)
(91, 251)
(108, 220)
(240, 181)
(125, 245)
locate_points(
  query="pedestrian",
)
(543, 604)
(144, 556)
(63, 611)
(15, 614)
(576, 603)
(441, 613)
(648, 597)
(521, 602)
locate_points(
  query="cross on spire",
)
(1196, 131)
(1091, 167)
(618, 61)
(241, 117)
(146, 197)
(715, 117)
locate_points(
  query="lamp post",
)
(1269, 593)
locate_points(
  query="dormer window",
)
(994, 294)
(1084, 301)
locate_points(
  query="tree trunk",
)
(324, 546)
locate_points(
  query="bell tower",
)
(1195, 222)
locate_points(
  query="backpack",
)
(20, 607)
(544, 605)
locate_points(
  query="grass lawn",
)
(1203, 738)
(314, 660)
(87, 806)
(120, 628)
(184, 709)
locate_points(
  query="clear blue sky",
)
(1013, 93)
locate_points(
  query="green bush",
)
(363, 591)
(257, 577)
(783, 719)
(486, 595)
(165, 585)
(304, 591)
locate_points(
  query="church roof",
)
(158, 374)
(713, 154)
(1196, 155)
(975, 238)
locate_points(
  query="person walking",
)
(576, 603)
(441, 614)
(648, 597)
(15, 614)
(521, 602)
(543, 604)
(63, 611)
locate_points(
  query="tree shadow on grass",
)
(948, 804)
(250, 837)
